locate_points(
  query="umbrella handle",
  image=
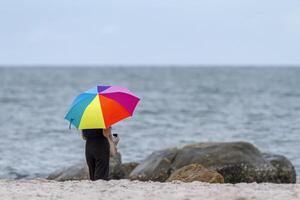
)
(70, 124)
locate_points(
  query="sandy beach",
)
(125, 189)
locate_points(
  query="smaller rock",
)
(124, 170)
(196, 172)
(285, 170)
(114, 166)
(156, 167)
(127, 168)
(80, 171)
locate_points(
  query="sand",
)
(135, 190)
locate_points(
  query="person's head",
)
(94, 130)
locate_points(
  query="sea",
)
(178, 106)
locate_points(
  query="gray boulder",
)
(80, 171)
(235, 161)
(76, 172)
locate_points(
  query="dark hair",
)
(92, 133)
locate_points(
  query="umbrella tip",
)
(70, 124)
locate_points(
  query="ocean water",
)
(178, 106)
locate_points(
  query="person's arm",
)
(108, 135)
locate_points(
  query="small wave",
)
(12, 100)
(11, 173)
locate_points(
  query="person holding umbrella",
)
(94, 111)
(100, 146)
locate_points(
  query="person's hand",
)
(116, 140)
(107, 132)
(112, 145)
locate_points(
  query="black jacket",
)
(92, 133)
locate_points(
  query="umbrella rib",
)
(120, 93)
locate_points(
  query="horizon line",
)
(148, 65)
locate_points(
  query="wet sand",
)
(125, 189)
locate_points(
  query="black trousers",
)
(97, 158)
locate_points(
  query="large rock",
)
(155, 167)
(196, 172)
(76, 172)
(285, 170)
(80, 171)
(235, 161)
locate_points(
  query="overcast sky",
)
(134, 32)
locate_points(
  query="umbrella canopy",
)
(101, 106)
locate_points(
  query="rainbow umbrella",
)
(101, 106)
